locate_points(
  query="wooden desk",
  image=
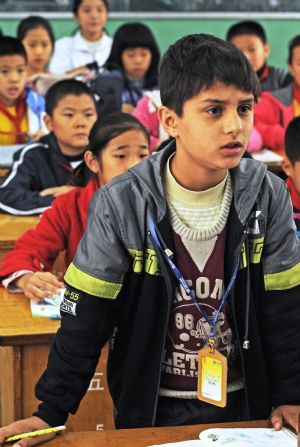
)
(11, 228)
(140, 437)
(24, 347)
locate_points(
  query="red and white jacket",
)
(60, 228)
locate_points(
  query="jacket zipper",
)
(237, 253)
(164, 268)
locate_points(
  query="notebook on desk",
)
(7, 154)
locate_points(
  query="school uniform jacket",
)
(61, 227)
(37, 166)
(272, 114)
(73, 52)
(120, 287)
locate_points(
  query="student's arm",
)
(268, 122)
(90, 311)
(36, 251)
(281, 306)
(56, 191)
(19, 192)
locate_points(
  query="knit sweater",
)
(198, 221)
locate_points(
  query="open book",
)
(241, 437)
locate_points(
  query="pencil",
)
(35, 433)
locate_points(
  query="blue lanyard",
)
(211, 321)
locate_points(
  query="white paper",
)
(248, 437)
(239, 437)
(267, 156)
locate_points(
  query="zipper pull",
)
(246, 344)
(169, 253)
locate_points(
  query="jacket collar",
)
(51, 142)
(247, 178)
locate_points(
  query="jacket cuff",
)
(52, 416)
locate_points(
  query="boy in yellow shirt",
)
(21, 110)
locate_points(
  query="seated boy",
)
(291, 166)
(250, 37)
(21, 110)
(227, 225)
(276, 109)
(41, 170)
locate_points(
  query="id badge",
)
(212, 376)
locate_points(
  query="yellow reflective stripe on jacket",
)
(255, 247)
(91, 285)
(147, 261)
(283, 280)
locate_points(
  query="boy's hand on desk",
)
(57, 190)
(39, 285)
(285, 415)
(25, 426)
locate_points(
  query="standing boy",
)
(250, 37)
(291, 166)
(41, 170)
(21, 110)
(226, 223)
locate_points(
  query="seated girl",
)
(37, 37)
(135, 56)
(116, 144)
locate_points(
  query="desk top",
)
(140, 437)
(17, 326)
(12, 227)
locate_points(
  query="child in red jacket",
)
(116, 144)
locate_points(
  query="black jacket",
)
(37, 166)
(120, 287)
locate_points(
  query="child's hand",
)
(57, 190)
(127, 108)
(285, 415)
(25, 426)
(39, 285)
(36, 136)
(83, 70)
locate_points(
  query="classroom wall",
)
(279, 31)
